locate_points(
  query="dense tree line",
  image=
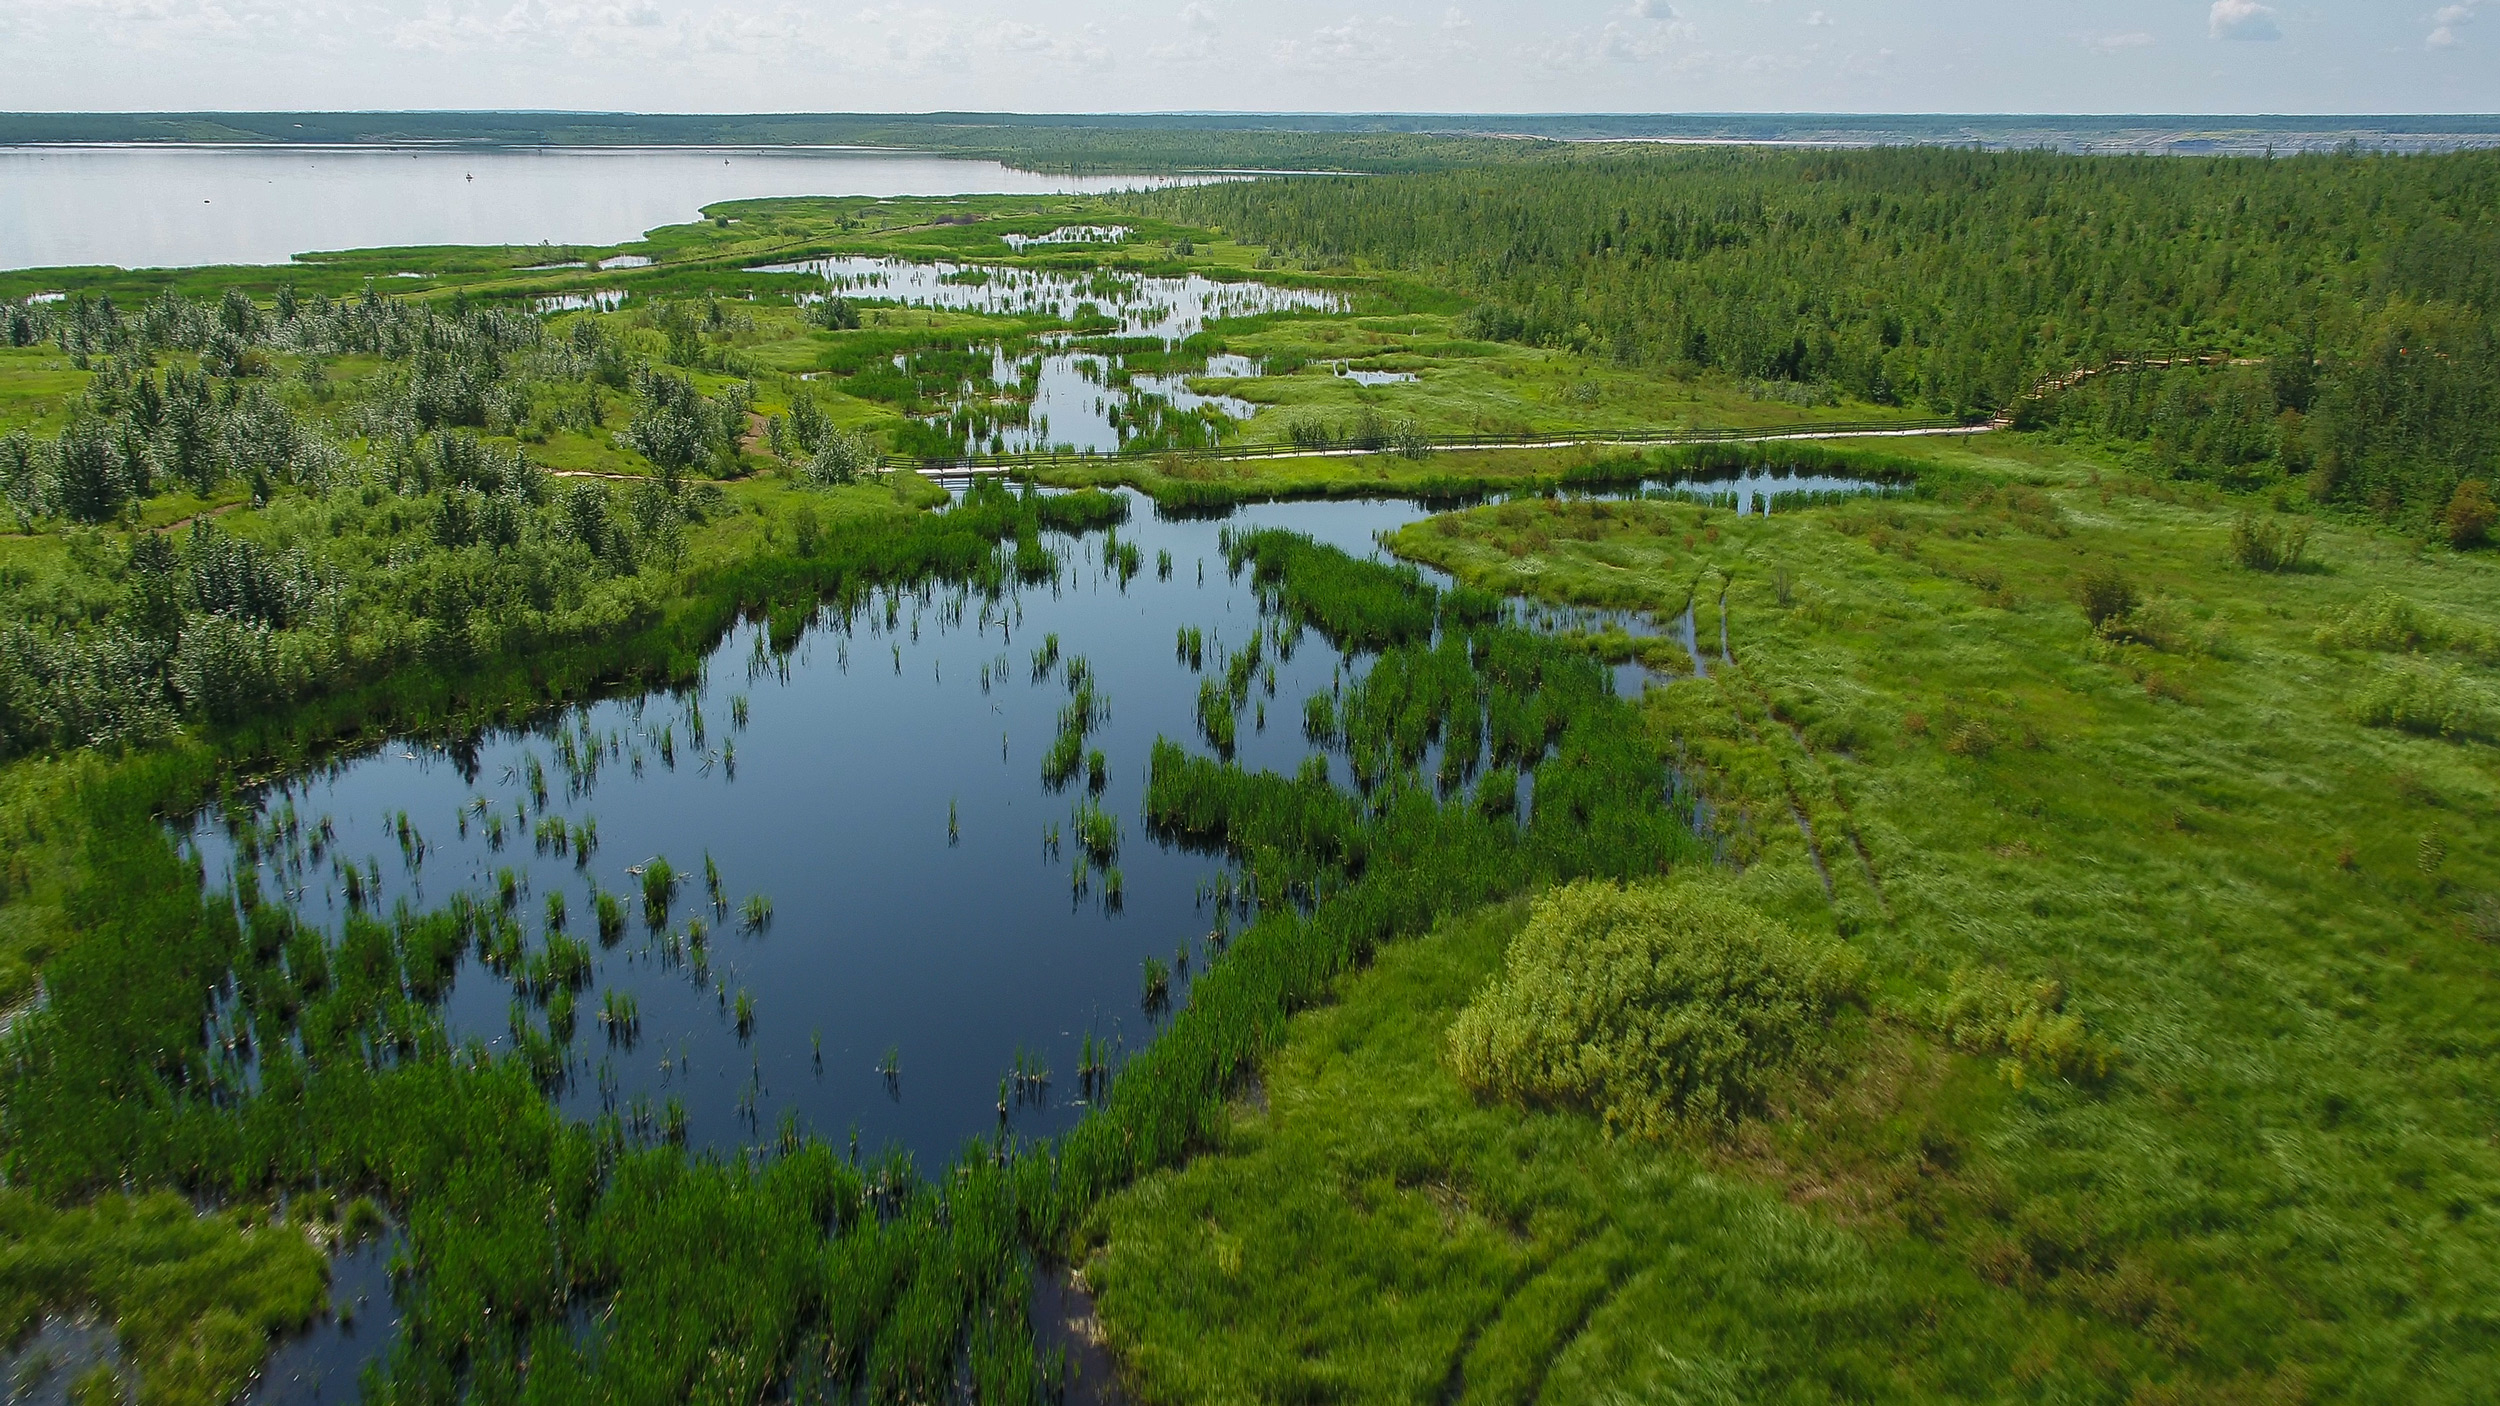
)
(1962, 280)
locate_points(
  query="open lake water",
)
(168, 206)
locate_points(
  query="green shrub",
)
(2164, 624)
(2388, 621)
(2440, 702)
(2106, 594)
(2470, 514)
(2265, 544)
(1652, 1006)
(1988, 1012)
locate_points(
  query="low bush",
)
(2389, 621)
(1654, 1006)
(2164, 624)
(1984, 1011)
(2438, 702)
(2470, 514)
(2105, 594)
(2266, 544)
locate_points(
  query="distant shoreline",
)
(1093, 136)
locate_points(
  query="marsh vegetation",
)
(1857, 920)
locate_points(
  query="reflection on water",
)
(1361, 377)
(1763, 490)
(1165, 307)
(156, 206)
(1087, 402)
(602, 300)
(1070, 234)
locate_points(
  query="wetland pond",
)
(1007, 401)
(914, 938)
(879, 786)
(1070, 402)
(1168, 308)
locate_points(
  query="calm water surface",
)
(175, 206)
(953, 949)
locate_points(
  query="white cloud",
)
(1197, 19)
(2114, 43)
(1819, 19)
(2448, 21)
(1358, 43)
(2245, 20)
(1642, 32)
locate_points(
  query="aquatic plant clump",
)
(659, 889)
(1654, 1006)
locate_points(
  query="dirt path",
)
(195, 517)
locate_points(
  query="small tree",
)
(2262, 544)
(2470, 514)
(2107, 595)
(834, 314)
(841, 458)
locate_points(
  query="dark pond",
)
(884, 794)
(62, 1353)
(1763, 490)
(326, 1362)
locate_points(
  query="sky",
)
(1970, 56)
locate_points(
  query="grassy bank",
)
(2181, 938)
(1365, 1229)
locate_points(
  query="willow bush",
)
(1655, 1006)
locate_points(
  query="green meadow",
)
(2242, 1147)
